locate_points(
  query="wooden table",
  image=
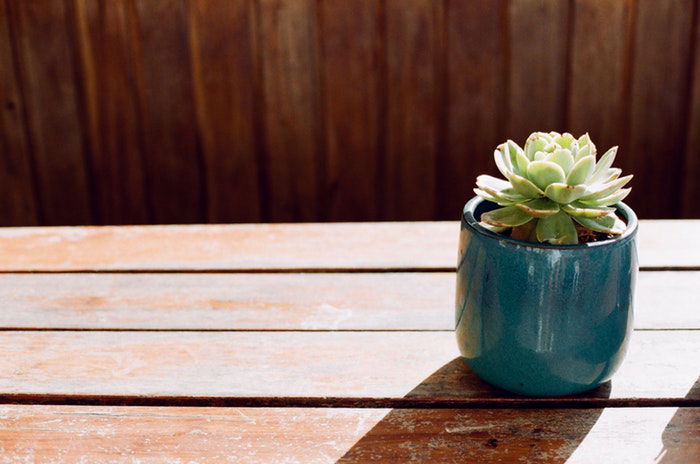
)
(309, 343)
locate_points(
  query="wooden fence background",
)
(178, 111)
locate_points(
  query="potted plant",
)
(547, 268)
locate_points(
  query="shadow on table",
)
(681, 437)
(474, 434)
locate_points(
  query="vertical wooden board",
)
(288, 45)
(46, 54)
(476, 98)
(658, 106)
(17, 196)
(107, 30)
(538, 39)
(599, 71)
(223, 71)
(352, 74)
(691, 170)
(414, 57)
(173, 164)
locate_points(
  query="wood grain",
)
(222, 44)
(288, 47)
(599, 72)
(43, 434)
(319, 367)
(476, 98)
(107, 32)
(340, 246)
(658, 105)
(353, 93)
(48, 71)
(538, 40)
(414, 87)
(375, 301)
(17, 195)
(691, 167)
(173, 161)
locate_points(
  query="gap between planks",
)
(580, 402)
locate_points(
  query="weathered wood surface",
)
(289, 110)
(42, 434)
(246, 247)
(296, 301)
(660, 364)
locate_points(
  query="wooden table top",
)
(309, 343)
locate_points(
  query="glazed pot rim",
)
(628, 213)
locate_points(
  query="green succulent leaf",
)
(610, 223)
(539, 208)
(581, 170)
(581, 211)
(598, 191)
(609, 200)
(601, 168)
(488, 197)
(517, 157)
(585, 139)
(524, 187)
(502, 161)
(510, 216)
(557, 229)
(582, 153)
(543, 173)
(534, 144)
(492, 182)
(492, 228)
(563, 193)
(565, 140)
(563, 158)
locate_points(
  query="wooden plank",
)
(352, 74)
(309, 366)
(475, 98)
(288, 47)
(174, 164)
(375, 301)
(224, 74)
(659, 101)
(43, 434)
(599, 71)
(345, 246)
(107, 31)
(691, 168)
(414, 89)
(538, 40)
(48, 72)
(17, 195)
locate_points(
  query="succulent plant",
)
(553, 184)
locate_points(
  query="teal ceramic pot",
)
(539, 319)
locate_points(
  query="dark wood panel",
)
(352, 365)
(691, 168)
(658, 106)
(263, 435)
(539, 34)
(353, 80)
(107, 32)
(269, 247)
(297, 301)
(17, 190)
(414, 52)
(174, 163)
(599, 72)
(47, 53)
(476, 79)
(222, 38)
(288, 40)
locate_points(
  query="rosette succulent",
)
(551, 185)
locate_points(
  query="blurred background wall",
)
(178, 111)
